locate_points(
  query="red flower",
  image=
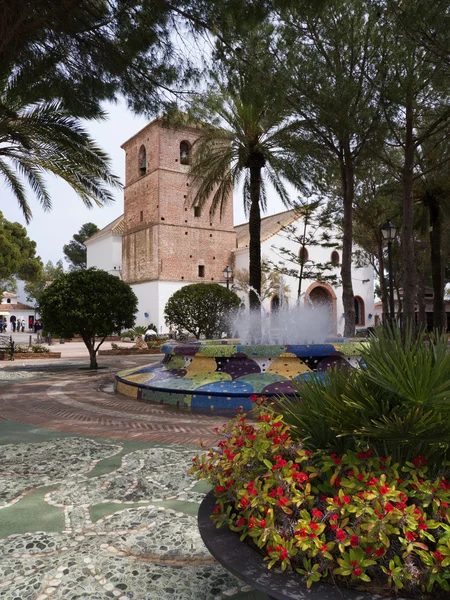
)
(324, 548)
(360, 476)
(388, 507)
(313, 526)
(337, 482)
(346, 499)
(254, 398)
(216, 509)
(240, 522)
(308, 452)
(334, 517)
(361, 455)
(220, 488)
(411, 535)
(251, 522)
(337, 461)
(423, 526)
(350, 473)
(354, 541)
(280, 491)
(262, 523)
(400, 506)
(438, 555)
(283, 501)
(354, 563)
(316, 513)
(244, 502)
(341, 535)
(384, 489)
(357, 572)
(372, 481)
(369, 549)
(301, 532)
(300, 477)
(379, 552)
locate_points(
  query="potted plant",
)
(348, 488)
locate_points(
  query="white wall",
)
(105, 253)
(152, 298)
(363, 280)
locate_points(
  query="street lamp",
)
(228, 274)
(388, 231)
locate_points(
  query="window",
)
(359, 311)
(201, 270)
(303, 254)
(185, 152)
(8, 301)
(142, 215)
(335, 258)
(197, 211)
(142, 160)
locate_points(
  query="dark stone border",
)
(247, 564)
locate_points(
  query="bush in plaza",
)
(201, 309)
(90, 303)
(354, 519)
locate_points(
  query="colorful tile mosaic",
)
(206, 376)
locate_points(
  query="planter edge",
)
(245, 563)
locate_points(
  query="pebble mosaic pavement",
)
(123, 510)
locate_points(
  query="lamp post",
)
(388, 231)
(228, 274)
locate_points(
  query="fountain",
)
(223, 375)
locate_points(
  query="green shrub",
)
(399, 404)
(39, 348)
(202, 309)
(135, 332)
(352, 519)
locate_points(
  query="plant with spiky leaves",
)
(42, 137)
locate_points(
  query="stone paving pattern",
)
(121, 508)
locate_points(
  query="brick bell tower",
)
(165, 239)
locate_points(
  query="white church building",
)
(162, 243)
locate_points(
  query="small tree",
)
(90, 303)
(201, 309)
(75, 252)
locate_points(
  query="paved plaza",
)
(95, 501)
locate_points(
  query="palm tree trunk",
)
(437, 265)
(254, 227)
(348, 191)
(409, 267)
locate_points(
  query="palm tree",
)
(249, 141)
(38, 137)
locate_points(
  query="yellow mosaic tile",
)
(140, 377)
(128, 390)
(201, 364)
(289, 366)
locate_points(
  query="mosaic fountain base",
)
(222, 377)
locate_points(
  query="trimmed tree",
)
(201, 309)
(90, 303)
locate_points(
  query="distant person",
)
(23, 325)
(13, 323)
(40, 327)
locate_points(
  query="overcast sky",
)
(51, 230)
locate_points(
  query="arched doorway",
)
(323, 297)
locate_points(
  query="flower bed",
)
(128, 351)
(358, 519)
(30, 355)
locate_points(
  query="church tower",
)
(165, 239)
